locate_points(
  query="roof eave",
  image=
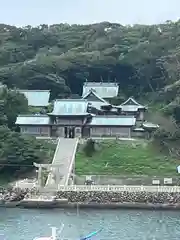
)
(131, 99)
(32, 115)
(91, 91)
(138, 107)
(28, 90)
(32, 124)
(67, 115)
(111, 125)
(39, 105)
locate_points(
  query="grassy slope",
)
(126, 158)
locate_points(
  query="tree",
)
(3, 117)
(144, 60)
(52, 82)
(18, 152)
(12, 103)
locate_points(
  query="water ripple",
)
(20, 224)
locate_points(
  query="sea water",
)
(25, 224)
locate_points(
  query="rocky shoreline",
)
(15, 194)
(93, 199)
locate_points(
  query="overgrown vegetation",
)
(89, 148)
(18, 152)
(144, 60)
(126, 158)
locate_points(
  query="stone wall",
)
(120, 197)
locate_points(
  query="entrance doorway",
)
(69, 132)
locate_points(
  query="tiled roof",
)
(70, 107)
(37, 98)
(93, 93)
(104, 90)
(32, 120)
(138, 129)
(98, 104)
(150, 125)
(113, 121)
(129, 108)
(131, 105)
(130, 101)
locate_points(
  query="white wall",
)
(35, 130)
(110, 131)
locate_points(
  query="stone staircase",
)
(63, 162)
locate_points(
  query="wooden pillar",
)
(78, 132)
(141, 115)
(57, 175)
(60, 132)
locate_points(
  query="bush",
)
(89, 148)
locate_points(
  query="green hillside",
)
(143, 59)
(126, 158)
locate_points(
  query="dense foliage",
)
(18, 152)
(144, 60)
(12, 103)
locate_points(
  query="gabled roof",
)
(37, 98)
(131, 105)
(113, 121)
(130, 101)
(103, 89)
(130, 108)
(93, 92)
(98, 102)
(32, 120)
(66, 107)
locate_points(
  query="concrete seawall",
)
(56, 204)
(100, 200)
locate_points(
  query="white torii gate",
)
(53, 169)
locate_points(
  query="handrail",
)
(66, 177)
(118, 188)
(72, 162)
(54, 157)
(107, 188)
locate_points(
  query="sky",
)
(35, 12)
